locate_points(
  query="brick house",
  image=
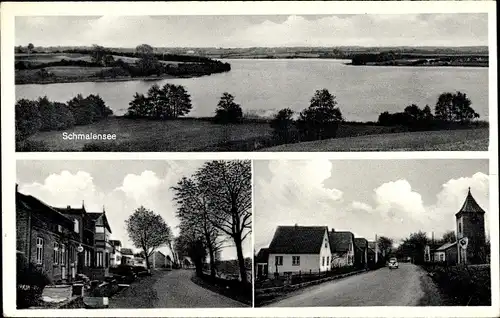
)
(51, 240)
(342, 248)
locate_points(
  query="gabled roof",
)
(340, 241)
(262, 256)
(70, 210)
(470, 205)
(96, 215)
(127, 251)
(433, 246)
(446, 246)
(360, 242)
(34, 204)
(297, 240)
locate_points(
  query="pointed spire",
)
(103, 209)
(470, 205)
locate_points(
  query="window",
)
(77, 226)
(459, 227)
(278, 260)
(296, 260)
(327, 260)
(39, 250)
(98, 259)
(56, 253)
(99, 229)
(323, 261)
(88, 259)
(106, 263)
(441, 257)
(63, 254)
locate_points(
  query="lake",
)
(262, 87)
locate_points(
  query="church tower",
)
(470, 225)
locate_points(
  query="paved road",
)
(176, 290)
(382, 287)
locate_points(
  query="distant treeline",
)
(45, 115)
(417, 59)
(22, 65)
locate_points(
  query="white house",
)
(297, 249)
(342, 248)
(116, 255)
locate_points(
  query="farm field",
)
(443, 140)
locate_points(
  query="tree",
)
(385, 245)
(449, 237)
(193, 211)
(100, 54)
(414, 246)
(321, 119)
(28, 119)
(282, 125)
(228, 189)
(30, 48)
(191, 244)
(148, 62)
(227, 110)
(139, 107)
(148, 231)
(454, 107)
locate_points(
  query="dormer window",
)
(76, 226)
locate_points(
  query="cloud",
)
(237, 31)
(140, 186)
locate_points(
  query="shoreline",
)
(99, 80)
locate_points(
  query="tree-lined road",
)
(384, 287)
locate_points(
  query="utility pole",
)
(376, 249)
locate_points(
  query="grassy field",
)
(192, 134)
(152, 135)
(443, 140)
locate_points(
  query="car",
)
(393, 263)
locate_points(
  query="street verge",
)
(242, 294)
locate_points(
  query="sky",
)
(119, 186)
(392, 198)
(451, 29)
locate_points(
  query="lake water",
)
(263, 87)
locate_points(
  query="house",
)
(58, 245)
(429, 251)
(103, 247)
(295, 249)
(116, 255)
(159, 260)
(140, 260)
(186, 262)
(261, 265)
(360, 252)
(470, 229)
(374, 255)
(127, 256)
(342, 248)
(447, 253)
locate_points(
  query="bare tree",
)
(228, 189)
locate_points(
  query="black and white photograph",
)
(372, 233)
(133, 234)
(207, 83)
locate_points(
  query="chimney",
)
(333, 230)
(296, 225)
(68, 207)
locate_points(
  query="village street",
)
(170, 289)
(405, 286)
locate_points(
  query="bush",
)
(28, 119)
(31, 146)
(467, 286)
(30, 283)
(227, 110)
(113, 72)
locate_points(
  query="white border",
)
(9, 10)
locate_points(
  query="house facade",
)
(127, 256)
(103, 246)
(59, 241)
(342, 248)
(295, 249)
(470, 228)
(446, 253)
(360, 252)
(140, 260)
(116, 255)
(261, 263)
(159, 260)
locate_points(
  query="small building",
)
(186, 262)
(140, 260)
(159, 260)
(446, 253)
(295, 249)
(116, 255)
(261, 263)
(342, 248)
(127, 256)
(429, 252)
(360, 252)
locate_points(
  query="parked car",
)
(393, 263)
(125, 273)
